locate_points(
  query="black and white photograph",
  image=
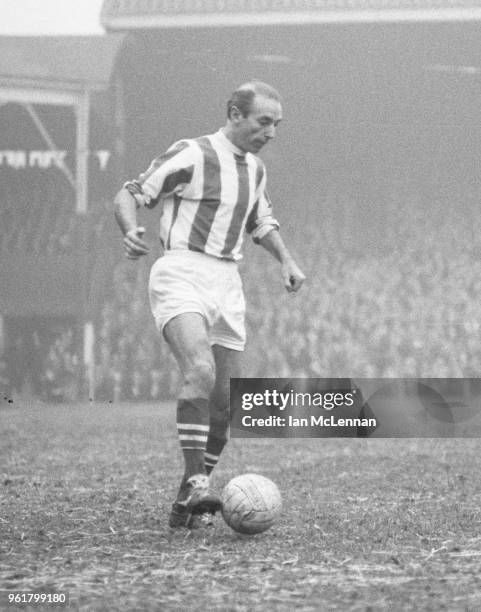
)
(240, 305)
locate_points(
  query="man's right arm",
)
(167, 173)
(126, 216)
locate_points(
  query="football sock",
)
(218, 436)
(193, 430)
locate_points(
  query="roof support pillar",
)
(82, 152)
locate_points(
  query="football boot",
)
(199, 506)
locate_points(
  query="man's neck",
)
(227, 132)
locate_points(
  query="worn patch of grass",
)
(366, 524)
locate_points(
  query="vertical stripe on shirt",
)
(241, 205)
(210, 200)
(251, 219)
(259, 172)
(175, 212)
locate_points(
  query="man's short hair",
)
(244, 95)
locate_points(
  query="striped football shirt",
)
(211, 193)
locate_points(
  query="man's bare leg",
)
(188, 339)
(228, 365)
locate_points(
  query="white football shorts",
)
(186, 281)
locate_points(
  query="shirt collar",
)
(228, 144)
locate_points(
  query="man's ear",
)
(235, 114)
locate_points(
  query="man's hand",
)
(134, 246)
(292, 275)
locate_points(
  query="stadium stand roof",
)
(148, 14)
(59, 71)
(72, 63)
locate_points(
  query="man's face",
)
(251, 133)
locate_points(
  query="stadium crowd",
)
(400, 299)
(399, 296)
(36, 221)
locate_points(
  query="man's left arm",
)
(292, 275)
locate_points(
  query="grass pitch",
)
(366, 524)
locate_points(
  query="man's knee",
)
(200, 378)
